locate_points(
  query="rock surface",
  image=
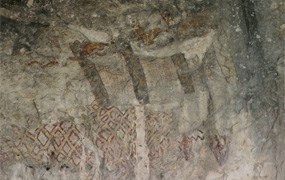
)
(142, 89)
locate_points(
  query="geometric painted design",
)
(114, 120)
(60, 141)
(185, 145)
(115, 136)
(219, 145)
(157, 131)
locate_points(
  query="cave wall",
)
(142, 89)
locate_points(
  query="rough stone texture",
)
(121, 89)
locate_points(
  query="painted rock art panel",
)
(142, 90)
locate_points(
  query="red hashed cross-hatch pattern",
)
(61, 141)
(115, 137)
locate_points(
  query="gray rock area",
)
(142, 89)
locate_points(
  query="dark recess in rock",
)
(24, 34)
(8, 3)
(256, 64)
(9, 25)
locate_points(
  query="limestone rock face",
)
(142, 90)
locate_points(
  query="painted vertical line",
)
(142, 170)
(137, 74)
(183, 73)
(97, 87)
